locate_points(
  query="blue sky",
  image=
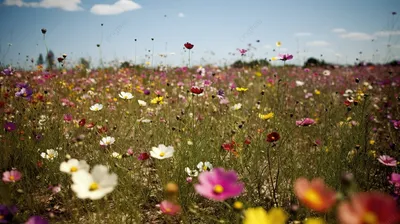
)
(338, 30)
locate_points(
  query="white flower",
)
(348, 93)
(116, 155)
(191, 173)
(162, 152)
(142, 103)
(206, 166)
(326, 73)
(106, 141)
(300, 83)
(126, 95)
(93, 185)
(73, 165)
(96, 107)
(50, 154)
(237, 106)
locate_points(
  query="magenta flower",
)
(67, 117)
(285, 57)
(219, 184)
(10, 126)
(169, 208)
(305, 122)
(396, 124)
(36, 220)
(12, 176)
(242, 51)
(395, 179)
(387, 160)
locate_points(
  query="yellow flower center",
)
(12, 178)
(108, 142)
(370, 218)
(238, 205)
(94, 186)
(51, 156)
(313, 197)
(218, 189)
(205, 167)
(162, 154)
(73, 169)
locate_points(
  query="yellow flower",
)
(258, 74)
(147, 63)
(371, 142)
(241, 89)
(317, 92)
(266, 116)
(278, 44)
(314, 221)
(157, 100)
(274, 58)
(260, 216)
(238, 205)
(372, 153)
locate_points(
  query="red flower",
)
(90, 125)
(188, 45)
(229, 146)
(273, 137)
(247, 141)
(196, 90)
(60, 59)
(82, 122)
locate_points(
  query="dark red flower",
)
(143, 156)
(60, 59)
(82, 122)
(247, 141)
(188, 45)
(229, 146)
(44, 31)
(273, 137)
(90, 125)
(196, 90)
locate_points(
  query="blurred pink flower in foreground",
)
(387, 160)
(305, 122)
(219, 184)
(12, 176)
(371, 207)
(395, 179)
(169, 208)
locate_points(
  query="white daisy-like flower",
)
(106, 141)
(300, 83)
(125, 95)
(206, 166)
(96, 107)
(237, 106)
(348, 93)
(94, 185)
(162, 152)
(326, 73)
(50, 154)
(73, 165)
(142, 103)
(191, 173)
(116, 155)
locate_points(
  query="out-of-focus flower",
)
(387, 160)
(10, 126)
(259, 216)
(395, 179)
(237, 106)
(241, 89)
(36, 220)
(125, 95)
(157, 100)
(314, 221)
(96, 107)
(278, 44)
(315, 194)
(7, 213)
(196, 90)
(143, 156)
(219, 184)
(285, 57)
(299, 83)
(369, 207)
(326, 73)
(273, 137)
(188, 45)
(11, 176)
(242, 51)
(107, 141)
(191, 173)
(396, 124)
(169, 208)
(305, 122)
(73, 165)
(8, 71)
(204, 166)
(50, 154)
(266, 116)
(142, 103)
(94, 185)
(162, 152)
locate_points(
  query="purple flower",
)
(10, 126)
(305, 122)
(146, 92)
(36, 220)
(221, 94)
(395, 179)
(25, 91)
(219, 184)
(8, 71)
(7, 213)
(285, 57)
(387, 160)
(396, 124)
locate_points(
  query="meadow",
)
(273, 144)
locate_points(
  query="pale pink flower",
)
(12, 176)
(387, 160)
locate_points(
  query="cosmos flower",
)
(299, 83)
(315, 194)
(191, 173)
(169, 208)
(242, 51)
(8, 71)
(369, 207)
(25, 92)
(387, 160)
(259, 216)
(237, 106)
(143, 156)
(326, 73)
(305, 122)
(396, 124)
(11, 176)
(395, 179)
(7, 213)
(285, 57)
(96, 107)
(94, 185)
(273, 137)
(73, 165)
(125, 95)
(10, 126)
(219, 184)
(142, 103)
(107, 141)
(36, 220)
(50, 154)
(196, 90)
(206, 166)
(188, 45)
(162, 152)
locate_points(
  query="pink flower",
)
(305, 122)
(396, 124)
(285, 57)
(219, 184)
(67, 117)
(242, 51)
(395, 179)
(129, 151)
(169, 208)
(12, 176)
(387, 160)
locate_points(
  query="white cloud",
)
(67, 5)
(339, 30)
(387, 33)
(181, 15)
(117, 8)
(302, 34)
(318, 43)
(357, 36)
